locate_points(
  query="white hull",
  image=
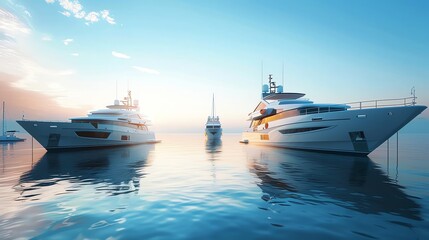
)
(213, 133)
(352, 131)
(67, 135)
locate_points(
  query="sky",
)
(63, 58)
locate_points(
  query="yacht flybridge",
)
(213, 126)
(119, 124)
(290, 121)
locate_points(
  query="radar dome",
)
(279, 88)
(265, 88)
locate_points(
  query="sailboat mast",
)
(3, 121)
(213, 106)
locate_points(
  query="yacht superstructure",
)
(213, 129)
(119, 124)
(290, 121)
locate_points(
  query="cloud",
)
(19, 70)
(75, 54)
(46, 38)
(105, 15)
(92, 17)
(72, 6)
(65, 13)
(75, 8)
(120, 55)
(10, 24)
(146, 70)
(67, 41)
(34, 104)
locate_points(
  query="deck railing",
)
(408, 101)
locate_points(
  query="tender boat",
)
(290, 121)
(120, 124)
(213, 127)
(8, 136)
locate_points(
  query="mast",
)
(2, 133)
(213, 107)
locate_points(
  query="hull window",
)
(300, 130)
(125, 137)
(212, 127)
(96, 123)
(89, 134)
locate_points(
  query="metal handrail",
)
(408, 101)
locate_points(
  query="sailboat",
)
(9, 136)
(213, 126)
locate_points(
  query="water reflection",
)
(213, 150)
(214, 146)
(351, 182)
(113, 171)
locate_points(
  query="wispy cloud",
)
(67, 41)
(120, 55)
(65, 13)
(46, 38)
(75, 8)
(14, 61)
(146, 70)
(10, 24)
(75, 54)
(105, 15)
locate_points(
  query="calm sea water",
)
(185, 188)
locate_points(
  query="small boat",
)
(8, 136)
(213, 127)
(119, 125)
(287, 120)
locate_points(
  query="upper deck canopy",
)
(279, 96)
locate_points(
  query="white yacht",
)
(213, 126)
(290, 121)
(8, 136)
(120, 124)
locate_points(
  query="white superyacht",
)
(213, 127)
(290, 121)
(120, 124)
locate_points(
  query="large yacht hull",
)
(352, 132)
(213, 133)
(67, 135)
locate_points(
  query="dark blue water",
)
(185, 188)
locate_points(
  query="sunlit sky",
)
(63, 58)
